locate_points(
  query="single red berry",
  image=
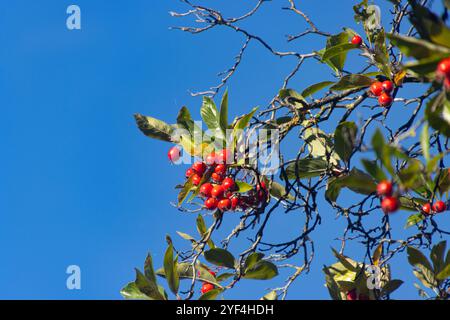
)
(196, 179)
(205, 189)
(376, 88)
(228, 184)
(261, 184)
(217, 177)
(189, 172)
(384, 188)
(211, 203)
(357, 40)
(224, 204)
(351, 295)
(426, 208)
(439, 206)
(390, 204)
(443, 67)
(385, 99)
(174, 154)
(217, 191)
(199, 167)
(388, 86)
(220, 169)
(223, 156)
(212, 273)
(211, 158)
(206, 287)
(234, 202)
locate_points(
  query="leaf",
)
(382, 151)
(390, 287)
(241, 124)
(306, 168)
(272, 295)
(337, 61)
(147, 287)
(224, 112)
(444, 274)
(424, 67)
(220, 257)
(262, 270)
(377, 254)
(185, 271)
(202, 230)
(149, 272)
(352, 81)
(315, 88)
(279, 192)
(414, 219)
(293, 97)
(425, 142)
(435, 113)
(381, 55)
(210, 116)
(320, 144)
(154, 128)
(437, 256)
(243, 187)
(186, 236)
(211, 295)
(345, 139)
(131, 291)
(424, 271)
(187, 187)
(410, 175)
(349, 264)
(374, 170)
(224, 276)
(339, 49)
(355, 180)
(170, 270)
(417, 48)
(252, 259)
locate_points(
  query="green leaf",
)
(184, 192)
(210, 116)
(292, 97)
(243, 187)
(381, 55)
(410, 175)
(414, 219)
(429, 25)
(320, 144)
(220, 257)
(377, 254)
(424, 271)
(444, 181)
(424, 67)
(444, 274)
(185, 271)
(355, 180)
(437, 113)
(149, 272)
(339, 49)
(224, 112)
(345, 139)
(374, 170)
(170, 270)
(306, 168)
(224, 276)
(241, 124)
(348, 263)
(262, 270)
(352, 81)
(382, 151)
(411, 204)
(425, 142)
(147, 287)
(279, 192)
(252, 259)
(437, 256)
(337, 62)
(131, 291)
(272, 295)
(316, 87)
(417, 48)
(154, 128)
(390, 287)
(202, 230)
(211, 295)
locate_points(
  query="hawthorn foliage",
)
(411, 156)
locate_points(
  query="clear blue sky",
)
(79, 183)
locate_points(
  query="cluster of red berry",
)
(383, 90)
(206, 286)
(438, 207)
(220, 191)
(443, 72)
(389, 203)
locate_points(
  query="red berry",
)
(211, 158)
(189, 172)
(385, 99)
(351, 295)
(217, 191)
(224, 204)
(205, 189)
(234, 202)
(443, 67)
(223, 156)
(426, 208)
(220, 169)
(390, 204)
(384, 188)
(357, 40)
(228, 184)
(206, 287)
(199, 167)
(447, 83)
(439, 206)
(376, 88)
(261, 184)
(217, 177)
(212, 273)
(388, 86)
(196, 179)
(174, 154)
(211, 203)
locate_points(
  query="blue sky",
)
(80, 184)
